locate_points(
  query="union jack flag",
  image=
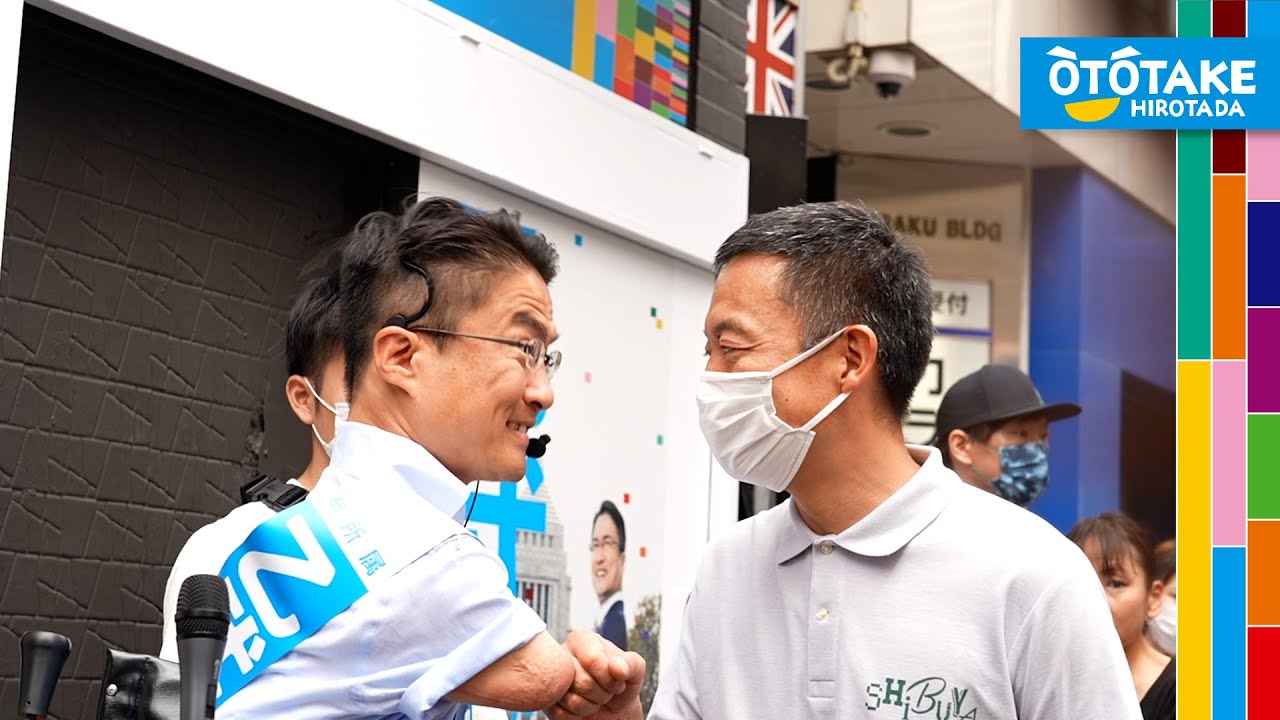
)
(771, 60)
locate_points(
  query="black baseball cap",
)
(994, 394)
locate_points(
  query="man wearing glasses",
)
(446, 324)
(608, 560)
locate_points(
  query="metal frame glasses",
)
(535, 352)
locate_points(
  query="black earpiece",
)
(401, 321)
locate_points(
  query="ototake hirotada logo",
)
(1162, 88)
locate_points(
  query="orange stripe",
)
(624, 62)
(1229, 300)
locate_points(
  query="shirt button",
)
(823, 614)
(825, 547)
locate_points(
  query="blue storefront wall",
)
(1102, 303)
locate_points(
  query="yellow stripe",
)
(644, 45)
(680, 56)
(663, 37)
(1195, 557)
(584, 38)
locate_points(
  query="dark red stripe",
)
(1228, 151)
(1229, 18)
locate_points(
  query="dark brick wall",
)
(156, 223)
(720, 103)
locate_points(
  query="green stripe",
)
(680, 93)
(1195, 18)
(682, 20)
(1194, 246)
(645, 20)
(659, 108)
(627, 19)
(1195, 249)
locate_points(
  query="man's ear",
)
(300, 399)
(859, 345)
(960, 445)
(393, 352)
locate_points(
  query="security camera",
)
(890, 71)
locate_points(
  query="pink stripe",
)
(1263, 148)
(1230, 432)
(680, 81)
(607, 19)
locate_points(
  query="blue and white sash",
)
(308, 563)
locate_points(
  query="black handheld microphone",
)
(537, 446)
(202, 619)
(43, 655)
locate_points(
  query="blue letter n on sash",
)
(286, 581)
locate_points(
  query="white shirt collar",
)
(893, 524)
(606, 606)
(357, 447)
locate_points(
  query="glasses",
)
(535, 352)
(606, 542)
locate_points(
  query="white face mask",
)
(742, 427)
(1164, 627)
(340, 411)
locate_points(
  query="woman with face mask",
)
(1164, 626)
(1122, 555)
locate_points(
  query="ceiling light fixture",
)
(909, 129)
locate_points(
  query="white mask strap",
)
(805, 355)
(824, 412)
(326, 446)
(316, 395)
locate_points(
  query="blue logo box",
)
(1150, 83)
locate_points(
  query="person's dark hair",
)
(431, 265)
(313, 333)
(1166, 564)
(981, 432)
(847, 266)
(1119, 537)
(608, 508)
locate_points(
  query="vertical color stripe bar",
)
(1194, 153)
(1262, 583)
(1194, 256)
(584, 40)
(604, 63)
(1194, 559)
(1228, 18)
(1263, 146)
(627, 19)
(1229, 634)
(1264, 667)
(1228, 151)
(1229, 452)
(1194, 18)
(607, 18)
(1229, 303)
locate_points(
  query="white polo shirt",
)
(204, 554)
(944, 602)
(414, 637)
